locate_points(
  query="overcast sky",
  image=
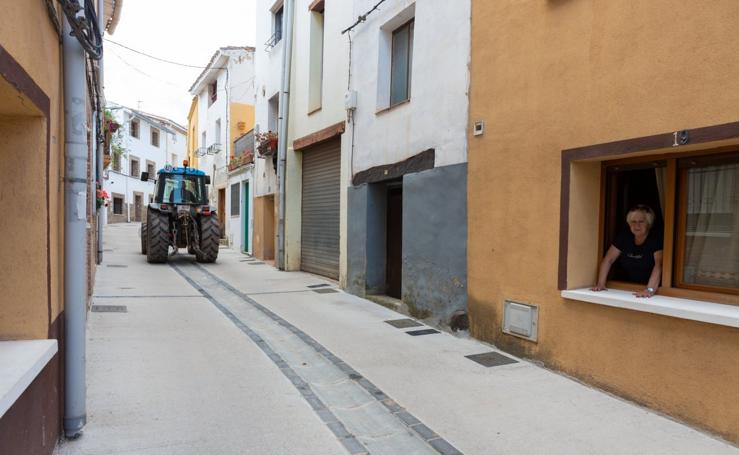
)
(185, 31)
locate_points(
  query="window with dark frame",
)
(117, 205)
(277, 25)
(212, 92)
(134, 128)
(696, 205)
(150, 169)
(155, 137)
(401, 63)
(235, 189)
(134, 168)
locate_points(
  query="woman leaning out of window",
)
(639, 253)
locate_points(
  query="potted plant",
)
(266, 143)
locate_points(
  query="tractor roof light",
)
(185, 163)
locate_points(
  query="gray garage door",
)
(320, 229)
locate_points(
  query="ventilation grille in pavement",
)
(491, 359)
(325, 291)
(256, 263)
(109, 309)
(314, 286)
(416, 333)
(404, 323)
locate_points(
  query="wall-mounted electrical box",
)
(478, 129)
(520, 319)
(350, 100)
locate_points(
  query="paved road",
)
(236, 357)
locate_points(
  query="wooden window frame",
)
(675, 209)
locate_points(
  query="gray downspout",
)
(75, 230)
(282, 134)
(101, 144)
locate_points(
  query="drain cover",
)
(491, 359)
(117, 265)
(416, 333)
(325, 291)
(108, 249)
(404, 323)
(256, 263)
(313, 286)
(109, 309)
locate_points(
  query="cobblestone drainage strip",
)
(404, 323)
(325, 291)
(416, 333)
(109, 309)
(491, 359)
(334, 414)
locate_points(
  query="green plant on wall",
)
(113, 138)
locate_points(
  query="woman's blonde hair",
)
(645, 209)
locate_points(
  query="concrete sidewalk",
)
(173, 375)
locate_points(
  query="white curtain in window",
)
(712, 227)
(659, 174)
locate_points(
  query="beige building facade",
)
(579, 110)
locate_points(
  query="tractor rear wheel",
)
(157, 236)
(143, 237)
(210, 235)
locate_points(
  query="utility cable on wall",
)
(363, 17)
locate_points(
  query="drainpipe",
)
(75, 230)
(282, 134)
(101, 143)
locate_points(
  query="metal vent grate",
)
(109, 309)
(121, 266)
(403, 323)
(416, 333)
(491, 359)
(325, 291)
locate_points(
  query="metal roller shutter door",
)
(320, 224)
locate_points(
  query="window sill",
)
(20, 363)
(393, 107)
(694, 310)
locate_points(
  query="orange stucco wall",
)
(242, 120)
(27, 35)
(192, 133)
(558, 74)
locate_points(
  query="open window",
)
(696, 204)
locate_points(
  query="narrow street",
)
(237, 357)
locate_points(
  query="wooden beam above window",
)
(317, 6)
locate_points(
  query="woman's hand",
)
(598, 287)
(646, 293)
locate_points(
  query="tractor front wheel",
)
(157, 237)
(210, 235)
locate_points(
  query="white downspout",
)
(75, 233)
(284, 114)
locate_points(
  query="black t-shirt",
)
(637, 261)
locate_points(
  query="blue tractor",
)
(180, 217)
